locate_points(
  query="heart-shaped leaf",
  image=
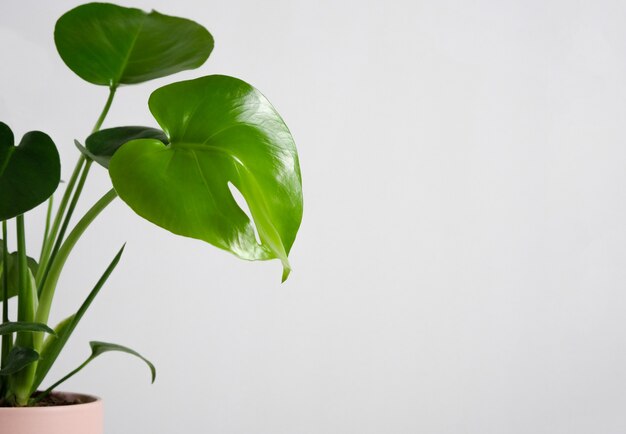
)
(101, 145)
(109, 45)
(29, 173)
(222, 131)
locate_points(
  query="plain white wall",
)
(461, 263)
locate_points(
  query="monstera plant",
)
(216, 134)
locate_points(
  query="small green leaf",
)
(98, 348)
(102, 144)
(222, 132)
(29, 173)
(23, 326)
(109, 45)
(18, 359)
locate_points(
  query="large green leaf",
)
(29, 172)
(101, 145)
(222, 131)
(108, 45)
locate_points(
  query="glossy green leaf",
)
(54, 344)
(18, 359)
(108, 45)
(102, 144)
(222, 132)
(29, 172)
(22, 326)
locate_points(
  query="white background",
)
(461, 262)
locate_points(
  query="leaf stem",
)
(47, 392)
(21, 381)
(7, 340)
(105, 110)
(50, 241)
(66, 222)
(46, 231)
(23, 293)
(47, 292)
(54, 239)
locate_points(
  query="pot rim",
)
(92, 401)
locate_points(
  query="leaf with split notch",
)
(29, 172)
(18, 359)
(108, 45)
(222, 131)
(102, 144)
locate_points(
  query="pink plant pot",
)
(86, 418)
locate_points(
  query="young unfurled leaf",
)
(222, 131)
(109, 45)
(29, 172)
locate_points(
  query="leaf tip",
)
(119, 253)
(286, 272)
